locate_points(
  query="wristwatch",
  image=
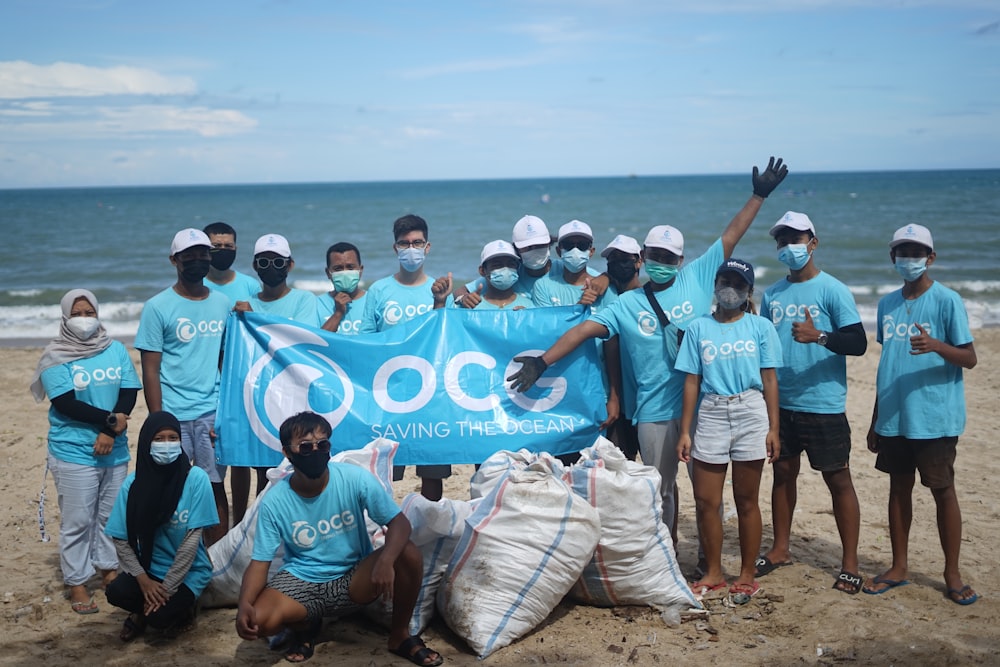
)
(111, 420)
(823, 337)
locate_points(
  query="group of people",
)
(685, 383)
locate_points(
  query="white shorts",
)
(731, 428)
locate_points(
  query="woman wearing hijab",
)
(157, 526)
(92, 385)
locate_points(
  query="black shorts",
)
(331, 598)
(934, 458)
(826, 439)
(423, 472)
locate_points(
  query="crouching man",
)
(317, 515)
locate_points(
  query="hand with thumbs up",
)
(473, 299)
(441, 289)
(589, 295)
(923, 343)
(805, 331)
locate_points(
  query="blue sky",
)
(100, 92)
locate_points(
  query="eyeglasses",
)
(263, 263)
(308, 446)
(580, 244)
(420, 243)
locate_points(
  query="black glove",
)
(531, 370)
(764, 184)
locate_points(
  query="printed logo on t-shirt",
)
(349, 327)
(793, 311)
(305, 535)
(393, 313)
(647, 322)
(902, 330)
(187, 329)
(82, 379)
(180, 518)
(728, 350)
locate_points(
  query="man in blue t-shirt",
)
(341, 309)
(180, 344)
(650, 333)
(399, 298)
(221, 277)
(920, 405)
(317, 515)
(272, 260)
(818, 323)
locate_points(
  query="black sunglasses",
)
(581, 244)
(308, 446)
(279, 263)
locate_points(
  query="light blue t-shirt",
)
(298, 305)
(240, 288)
(525, 284)
(659, 388)
(920, 396)
(195, 509)
(729, 356)
(553, 290)
(390, 303)
(812, 379)
(188, 334)
(351, 324)
(325, 536)
(96, 381)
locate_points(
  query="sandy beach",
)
(799, 619)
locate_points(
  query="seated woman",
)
(92, 384)
(156, 525)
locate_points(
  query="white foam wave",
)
(24, 292)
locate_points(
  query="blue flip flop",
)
(955, 595)
(889, 585)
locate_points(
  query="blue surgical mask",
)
(535, 259)
(794, 255)
(911, 268)
(575, 259)
(411, 259)
(165, 453)
(345, 281)
(503, 278)
(660, 273)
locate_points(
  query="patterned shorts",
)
(331, 598)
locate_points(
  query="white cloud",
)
(23, 109)
(20, 79)
(199, 120)
(421, 132)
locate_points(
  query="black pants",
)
(125, 592)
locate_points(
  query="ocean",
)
(115, 241)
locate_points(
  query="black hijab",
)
(156, 489)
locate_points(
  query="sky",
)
(107, 93)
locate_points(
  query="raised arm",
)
(764, 184)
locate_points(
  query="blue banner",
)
(435, 384)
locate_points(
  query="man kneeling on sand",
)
(333, 570)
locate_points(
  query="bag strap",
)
(657, 308)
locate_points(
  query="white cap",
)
(912, 234)
(188, 238)
(800, 222)
(529, 231)
(624, 243)
(275, 243)
(497, 248)
(575, 228)
(667, 238)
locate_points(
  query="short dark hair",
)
(342, 246)
(219, 228)
(409, 223)
(300, 424)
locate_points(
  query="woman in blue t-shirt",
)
(92, 385)
(157, 528)
(730, 357)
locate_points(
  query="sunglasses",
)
(581, 244)
(308, 446)
(263, 263)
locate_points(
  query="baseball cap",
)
(575, 228)
(667, 238)
(912, 234)
(496, 249)
(275, 243)
(529, 231)
(738, 266)
(188, 238)
(797, 221)
(624, 243)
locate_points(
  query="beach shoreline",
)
(799, 619)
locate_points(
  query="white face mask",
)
(83, 327)
(535, 259)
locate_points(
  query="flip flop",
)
(888, 583)
(303, 642)
(131, 628)
(765, 566)
(955, 595)
(741, 593)
(84, 608)
(849, 579)
(700, 589)
(414, 650)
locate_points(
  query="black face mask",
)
(195, 270)
(311, 465)
(223, 259)
(272, 277)
(622, 271)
